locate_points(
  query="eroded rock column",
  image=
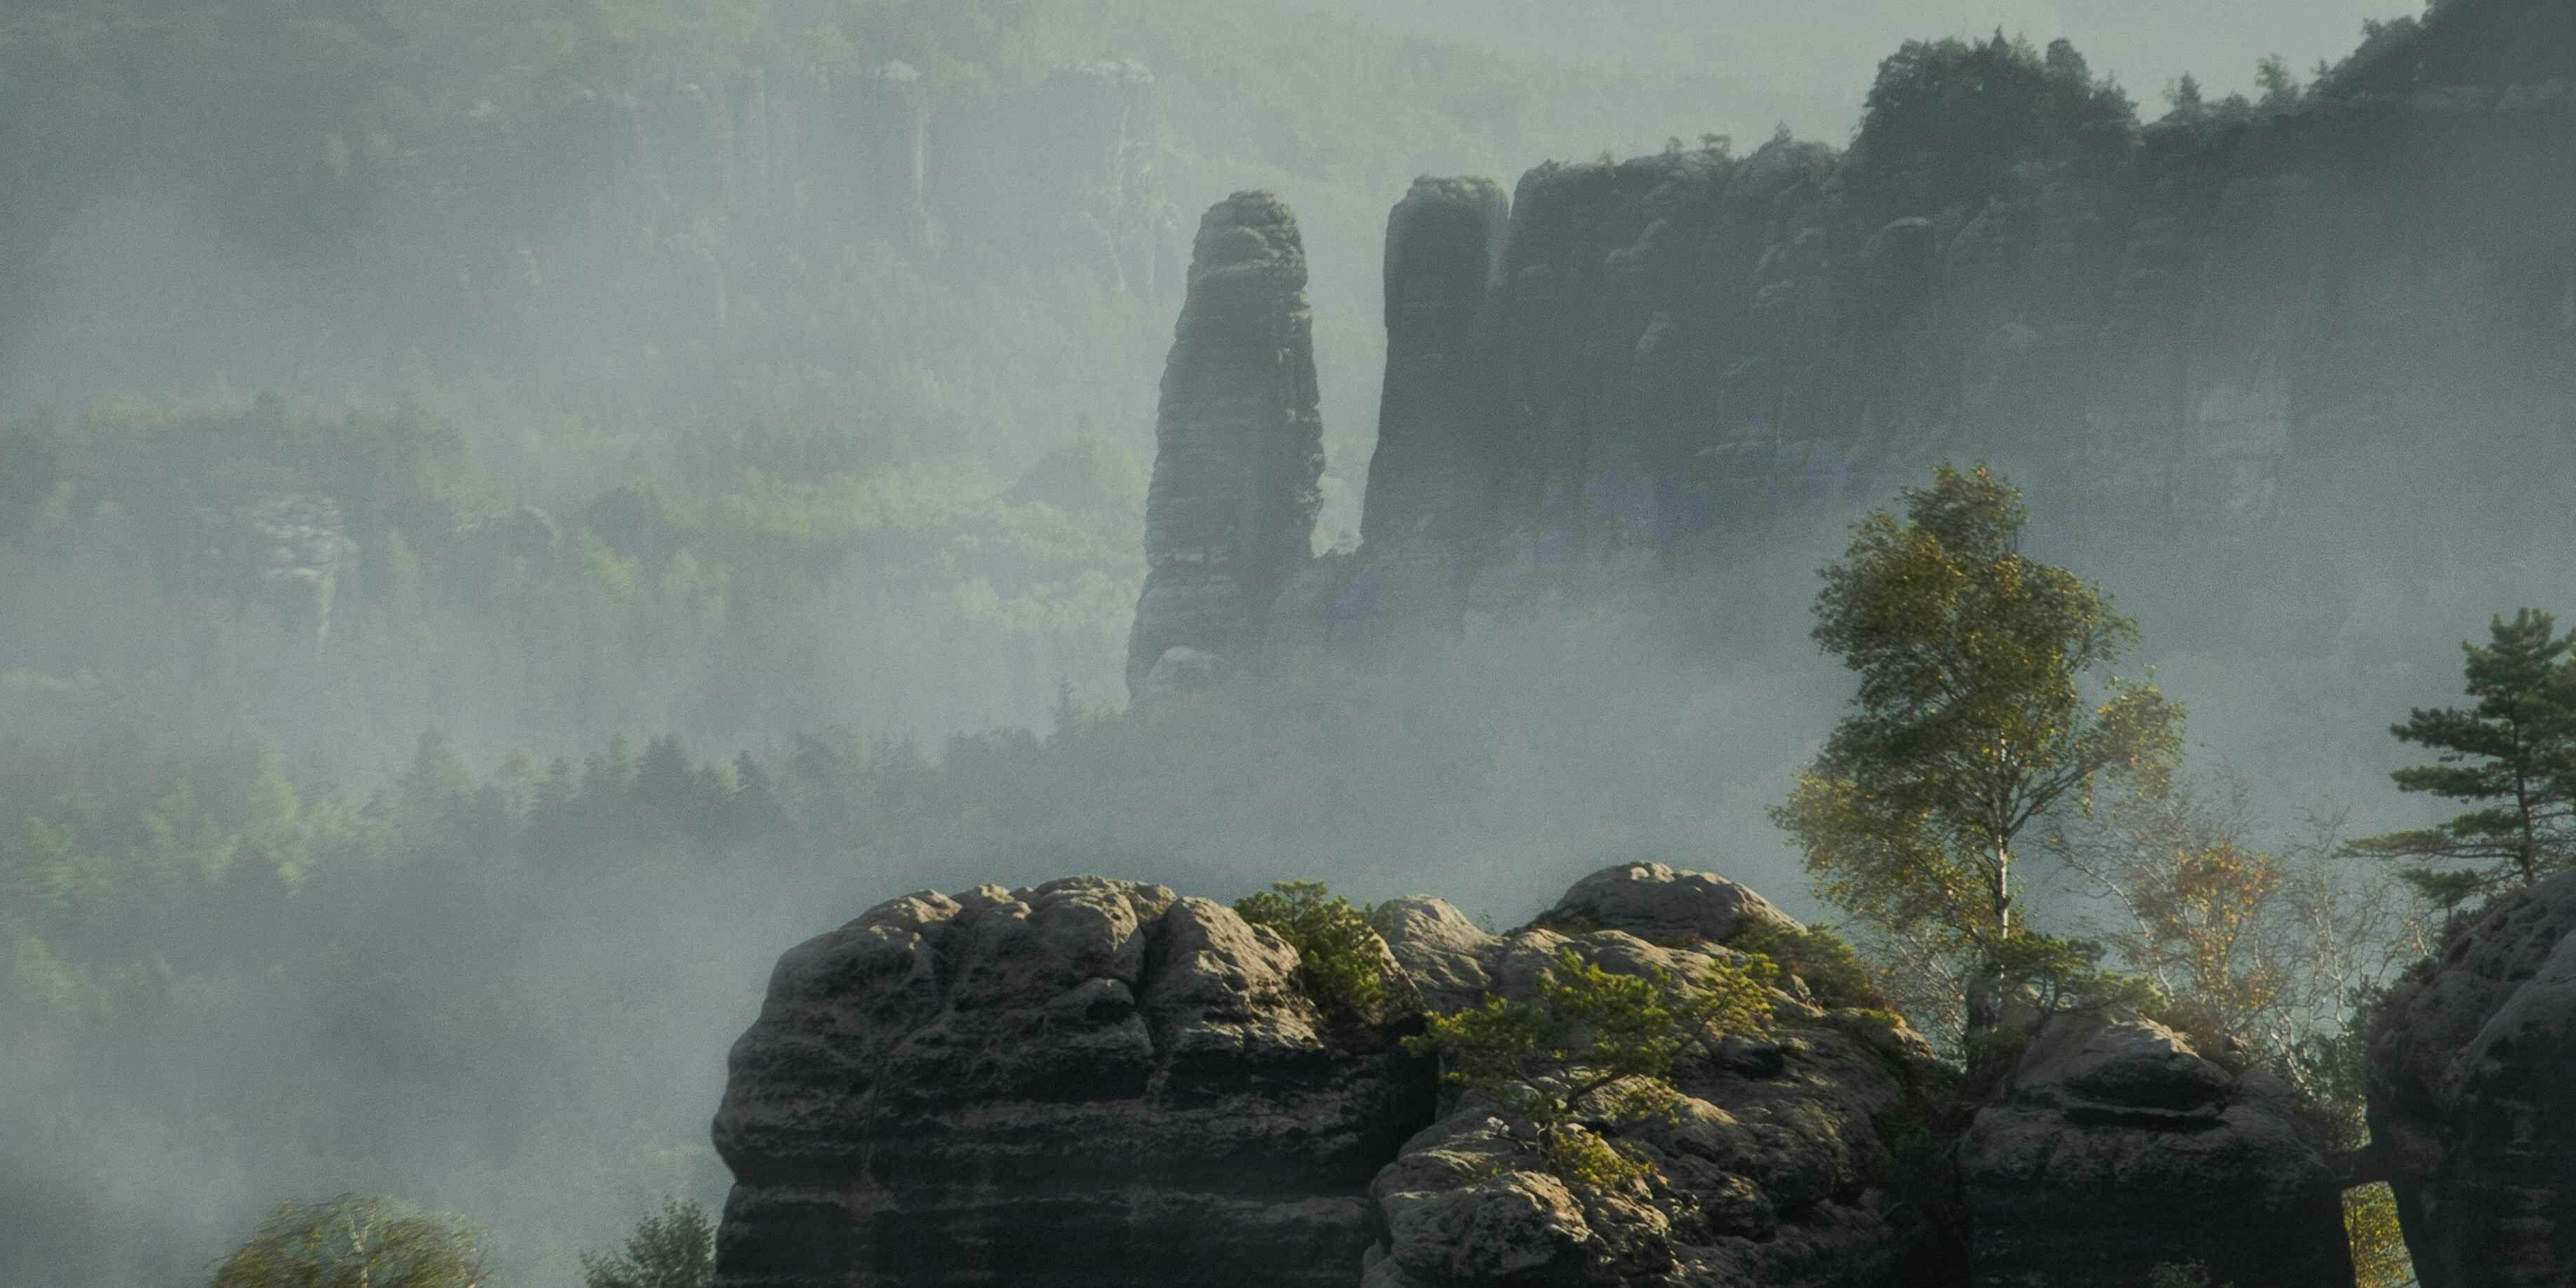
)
(1432, 474)
(1239, 448)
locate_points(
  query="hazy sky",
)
(1809, 61)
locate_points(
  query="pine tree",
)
(2515, 752)
(675, 1248)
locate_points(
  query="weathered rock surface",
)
(1438, 411)
(2473, 1098)
(1088, 1082)
(1775, 1171)
(2193, 330)
(1095, 1082)
(1238, 442)
(1655, 902)
(2116, 1147)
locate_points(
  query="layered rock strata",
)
(2117, 1148)
(1087, 1082)
(1231, 512)
(2472, 1109)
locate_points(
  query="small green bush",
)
(1594, 1046)
(1589, 1164)
(1834, 973)
(1341, 962)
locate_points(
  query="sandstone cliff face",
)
(2116, 1147)
(2198, 329)
(1084, 1083)
(1689, 348)
(1427, 482)
(1238, 443)
(1096, 1082)
(2472, 1110)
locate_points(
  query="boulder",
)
(2472, 1109)
(2115, 1148)
(1442, 951)
(1655, 902)
(1087, 1082)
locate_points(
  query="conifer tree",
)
(2514, 753)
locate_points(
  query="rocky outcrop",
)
(1663, 905)
(2199, 329)
(1088, 1082)
(1100, 1082)
(1230, 516)
(1774, 1170)
(2116, 1147)
(1427, 488)
(2472, 1111)
(1094, 1082)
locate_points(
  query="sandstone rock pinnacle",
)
(1239, 444)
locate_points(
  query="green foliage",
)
(2057, 973)
(674, 1248)
(1953, 123)
(2380, 1258)
(1341, 962)
(1972, 718)
(1833, 972)
(355, 1242)
(2516, 749)
(2331, 1071)
(2272, 77)
(1594, 1046)
(2050, 974)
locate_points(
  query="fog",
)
(505, 529)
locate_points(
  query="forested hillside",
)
(800, 270)
(513, 511)
(590, 381)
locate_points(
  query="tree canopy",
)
(355, 1242)
(2513, 754)
(1985, 702)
